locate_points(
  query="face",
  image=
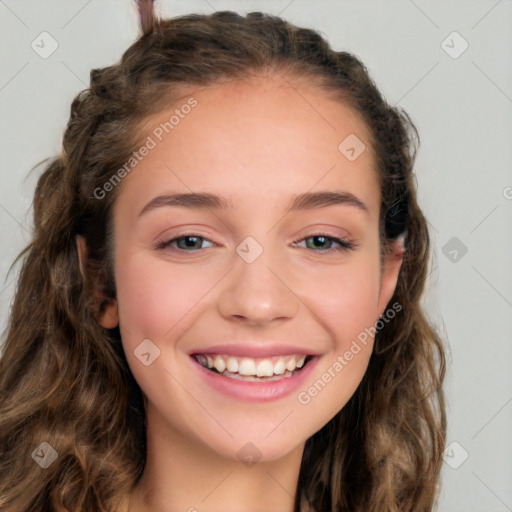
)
(256, 280)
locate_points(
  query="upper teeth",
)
(260, 367)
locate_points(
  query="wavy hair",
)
(64, 379)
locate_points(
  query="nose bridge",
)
(257, 289)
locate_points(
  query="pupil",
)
(188, 243)
(321, 238)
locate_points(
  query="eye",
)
(322, 240)
(192, 243)
(189, 242)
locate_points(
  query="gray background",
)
(462, 107)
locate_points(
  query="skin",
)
(256, 142)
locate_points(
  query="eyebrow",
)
(305, 201)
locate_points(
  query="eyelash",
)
(343, 245)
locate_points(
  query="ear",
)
(391, 268)
(109, 318)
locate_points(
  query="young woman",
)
(220, 306)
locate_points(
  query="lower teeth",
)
(251, 378)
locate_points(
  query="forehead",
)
(266, 138)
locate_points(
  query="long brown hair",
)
(64, 380)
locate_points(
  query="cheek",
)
(153, 301)
(345, 302)
(345, 297)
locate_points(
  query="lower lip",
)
(256, 391)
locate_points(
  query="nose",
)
(257, 293)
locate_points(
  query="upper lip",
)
(264, 349)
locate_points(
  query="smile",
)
(253, 369)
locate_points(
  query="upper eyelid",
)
(205, 237)
(314, 232)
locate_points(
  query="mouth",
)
(265, 369)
